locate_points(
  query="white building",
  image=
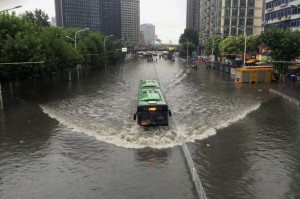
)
(282, 13)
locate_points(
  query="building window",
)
(249, 21)
(234, 21)
(227, 12)
(242, 12)
(227, 3)
(250, 12)
(243, 3)
(251, 3)
(234, 12)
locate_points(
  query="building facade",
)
(149, 32)
(230, 17)
(282, 13)
(130, 21)
(192, 14)
(98, 15)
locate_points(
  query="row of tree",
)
(284, 44)
(45, 49)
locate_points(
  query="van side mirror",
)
(170, 114)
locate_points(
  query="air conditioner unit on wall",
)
(270, 9)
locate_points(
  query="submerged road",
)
(78, 140)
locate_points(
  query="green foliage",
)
(191, 35)
(253, 42)
(212, 45)
(229, 47)
(38, 17)
(92, 47)
(29, 38)
(284, 45)
(189, 39)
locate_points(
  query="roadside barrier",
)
(293, 100)
(187, 154)
(196, 179)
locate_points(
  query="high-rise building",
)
(284, 14)
(53, 21)
(230, 17)
(192, 14)
(149, 32)
(98, 15)
(130, 21)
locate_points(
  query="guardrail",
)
(187, 154)
(196, 179)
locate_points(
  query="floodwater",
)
(79, 140)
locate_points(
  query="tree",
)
(253, 41)
(37, 16)
(229, 47)
(189, 40)
(20, 44)
(58, 53)
(191, 35)
(212, 45)
(91, 47)
(284, 45)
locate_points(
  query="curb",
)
(293, 100)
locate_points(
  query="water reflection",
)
(152, 157)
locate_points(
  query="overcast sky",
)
(168, 16)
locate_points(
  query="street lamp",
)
(70, 38)
(187, 51)
(11, 8)
(212, 50)
(245, 46)
(105, 49)
(76, 36)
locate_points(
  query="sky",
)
(168, 16)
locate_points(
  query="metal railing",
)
(196, 179)
(187, 154)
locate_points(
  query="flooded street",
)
(79, 140)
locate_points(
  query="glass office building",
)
(98, 15)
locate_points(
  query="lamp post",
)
(212, 49)
(11, 8)
(105, 49)
(76, 36)
(70, 38)
(245, 45)
(187, 51)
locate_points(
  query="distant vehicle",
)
(152, 108)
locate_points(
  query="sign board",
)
(124, 50)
